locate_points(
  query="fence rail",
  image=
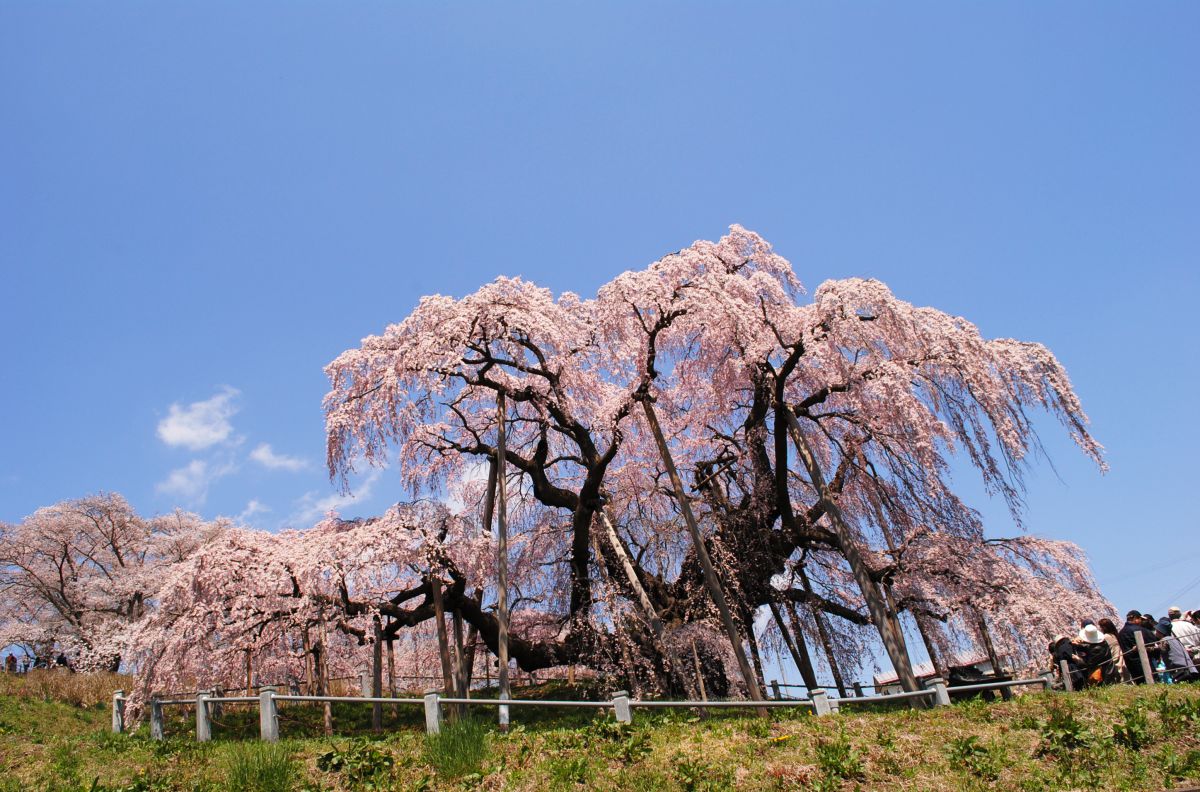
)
(622, 706)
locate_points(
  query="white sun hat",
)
(1091, 634)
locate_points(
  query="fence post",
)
(433, 713)
(118, 712)
(1147, 669)
(775, 690)
(268, 717)
(621, 707)
(203, 726)
(1047, 680)
(941, 696)
(364, 681)
(156, 719)
(858, 690)
(1068, 685)
(820, 700)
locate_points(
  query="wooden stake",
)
(460, 674)
(443, 641)
(893, 639)
(391, 666)
(322, 661)
(626, 660)
(651, 613)
(823, 634)
(794, 640)
(502, 556)
(377, 675)
(699, 673)
(711, 582)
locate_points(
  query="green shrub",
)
(1133, 731)
(1177, 714)
(569, 771)
(980, 759)
(361, 764)
(758, 727)
(695, 775)
(459, 749)
(1176, 767)
(65, 762)
(838, 759)
(260, 767)
(1063, 733)
(621, 740)
(145, 781)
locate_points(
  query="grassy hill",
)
(54, 736)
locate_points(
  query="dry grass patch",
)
(57, 684)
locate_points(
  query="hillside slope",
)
(1118, 738)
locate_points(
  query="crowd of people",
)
(20, 665)
(1101, 654)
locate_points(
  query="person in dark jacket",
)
(1097, 665)
(1062, 649)
(1128, 642)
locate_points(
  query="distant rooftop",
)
(926, 670)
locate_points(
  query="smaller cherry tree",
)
(75, 575)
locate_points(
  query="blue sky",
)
(203, 204)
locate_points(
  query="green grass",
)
(261, 767)
(459, 748)
(1116, 738)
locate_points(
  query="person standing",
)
(1117, 662)
(1179, 662)
(10, 663)
(1187, 633)
(1126, 638)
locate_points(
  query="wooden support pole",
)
(985, 636)
(711, 581)
(391, 666)
(648, 610)
(939, 665)
(893, 639)
(1144, 657)
(439, 617)
(460, 668)
(321, 661)
(794, 639)
(622, 643)
(755, 656)
(377, 675)
(823, 634)
(502, 556)
(699, 673)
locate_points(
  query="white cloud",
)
(473, 475)
(254, 507)
(191, 482)
(200, 424)
(266, 456)
(311, 507)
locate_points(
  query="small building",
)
(969, 667)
